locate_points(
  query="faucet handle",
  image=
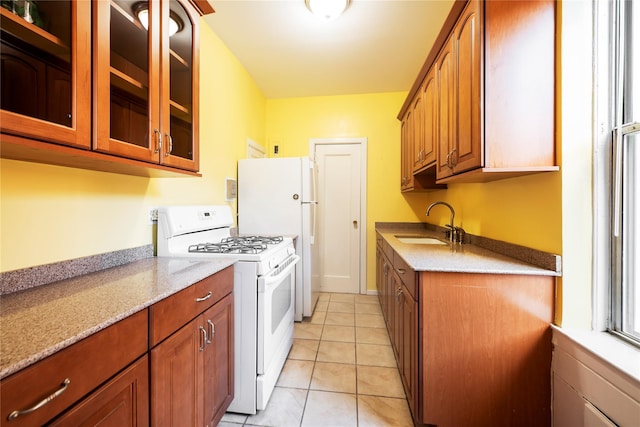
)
(459, 234)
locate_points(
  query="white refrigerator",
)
(277, 196)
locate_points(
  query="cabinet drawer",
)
(388, 250)
(406, 274)
(86, 364)
(123, 401)
(170, 314)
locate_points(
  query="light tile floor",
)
(341, 372)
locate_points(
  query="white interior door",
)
(339, 216)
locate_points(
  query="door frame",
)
(362, 143)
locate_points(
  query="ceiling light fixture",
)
(327, 9)
(141, 10)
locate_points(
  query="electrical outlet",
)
(153, 216)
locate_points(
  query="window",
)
(624, 317)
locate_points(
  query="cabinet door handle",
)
(398, 293)
(203, 340)
(158, 140)
(401, 270)
(212, 331)
(63, 387)
(169, 145)
(204, 298)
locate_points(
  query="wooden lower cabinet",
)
(192, 370)
(408, 362)
(472, 349)
(176, 367)
(122, 402)
(74, 373)
(218, 361)
(400, 311)
(485, 348)
(147, 369)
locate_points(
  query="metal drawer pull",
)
(204, 298)
(204, 338)
(401, 270)
(212, 331)
(158, 141)
(169, 146)
(64, 385)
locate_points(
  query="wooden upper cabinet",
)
(46, 72)
(468, 81)
(218, 361)
(459, 80)
(145, 81)
(180, 120)
(445, 77)
(430, 119)
(418, 131)
(493, 63)
(424, 115)
(406, 166)
(519, 84)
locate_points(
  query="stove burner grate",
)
(237, 245)
(267, 240)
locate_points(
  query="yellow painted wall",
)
(523, 211)
(292, 122)
(51, 213)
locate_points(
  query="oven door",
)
(276, 306)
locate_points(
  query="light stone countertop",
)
(458, 258)
(38, 322)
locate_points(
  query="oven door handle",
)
(276, 275)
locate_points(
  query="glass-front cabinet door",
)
(127, 78)
(45, 50)
(144, 93)
(179, 120)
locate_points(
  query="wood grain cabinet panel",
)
(156, 74)
(485, 341)
(444, 66)
(406, 167)
(177, 375)
(400, 311)
(192, 369)
(46, 85)
(430, 124)
(168, 315)
(122, 402)
(218, 361)
(468, 148)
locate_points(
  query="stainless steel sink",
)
(420, 240)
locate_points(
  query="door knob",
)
(355, 223)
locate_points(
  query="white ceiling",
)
(375, 46)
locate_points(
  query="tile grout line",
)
(315, 360)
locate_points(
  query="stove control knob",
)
(291, 251)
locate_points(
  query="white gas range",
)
(264, 292)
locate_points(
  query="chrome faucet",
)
(455, 233)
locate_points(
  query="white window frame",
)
(609, 131)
